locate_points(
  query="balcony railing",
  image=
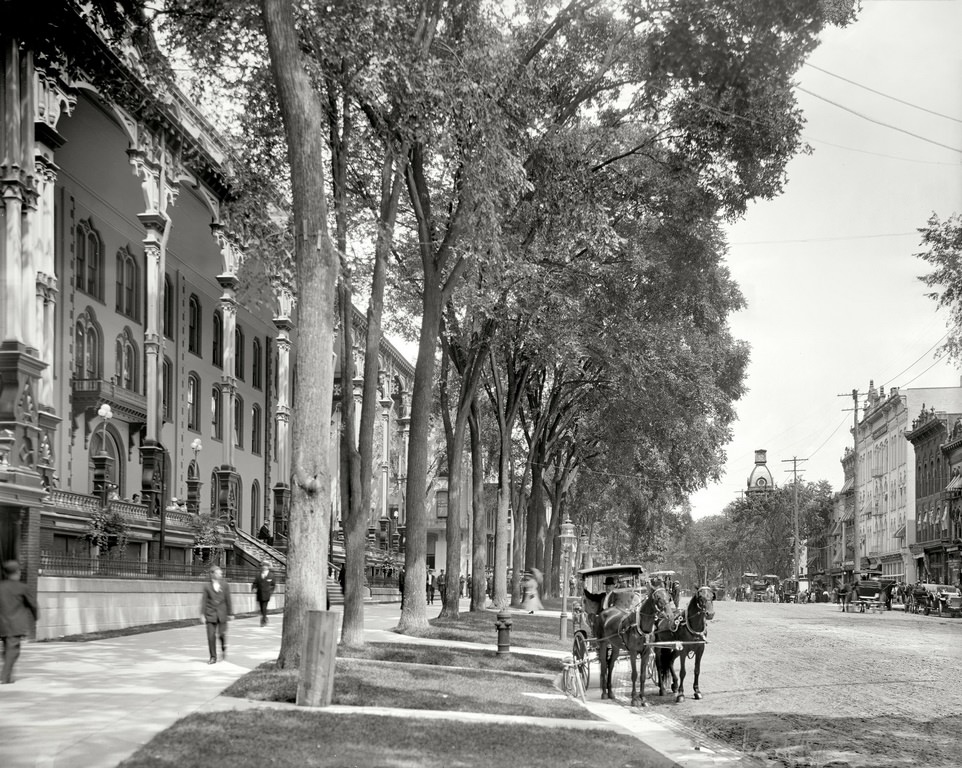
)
(127, 405)
(109, 568)
(132, 511)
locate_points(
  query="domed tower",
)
(760, 480)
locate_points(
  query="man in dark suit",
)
(16, 608)
(215, 612)
(604, 599)
(263, 585)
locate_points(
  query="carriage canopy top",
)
(612, 570)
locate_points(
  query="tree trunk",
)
(478, 586)
(414, 615)
(502, 531)
(453, 537)
(552, 546)
(354, 512)
(534, 552)
(316, 274)
(362, 478)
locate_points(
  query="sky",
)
(828, 268)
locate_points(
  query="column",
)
(282, 412)
(13, 189)
(150, 158)
(228, 310)
(386, 402)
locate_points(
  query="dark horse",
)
(618, 629)
(691, 634)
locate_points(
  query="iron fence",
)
(114, 568)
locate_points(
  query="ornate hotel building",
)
(146, 360)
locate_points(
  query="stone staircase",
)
(254, 551)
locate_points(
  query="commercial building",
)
(883, 517)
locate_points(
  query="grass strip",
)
(315, 739)
(527, 631)
(447, 656)
(415, 686)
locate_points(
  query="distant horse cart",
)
(943, 599)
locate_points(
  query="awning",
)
(955, 484)
(900, 531)
(847, 485)
(849, 517)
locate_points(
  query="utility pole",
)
(855, 394)
(794, 470)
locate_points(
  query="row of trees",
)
(544, 186)
(754, 533)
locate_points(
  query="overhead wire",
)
(878, 122)
(938, 360)
(883, 94)
(826, 239)
(877, 154)
(908, 367)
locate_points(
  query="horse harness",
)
(660, 621)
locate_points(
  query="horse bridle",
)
(703, 633)
(662, 612)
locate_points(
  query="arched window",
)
(169, 302)
(255, 507)
(127, 362)
(193, 401)
(166, 388)
(89, 261)
(87, 347)
(239, 353)
(256, 429)
(110, 446)
(193, 325)
(216, 415)
(256, 363)
(128, 284)
(238, 421)
(217, 345)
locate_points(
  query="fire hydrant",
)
(503, 625)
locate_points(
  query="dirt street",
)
(806, 685)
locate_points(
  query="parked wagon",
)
(943, 599)
(868, 595)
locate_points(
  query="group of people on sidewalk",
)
(19, 610)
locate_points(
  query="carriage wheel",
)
(579, 650)
(652, 668)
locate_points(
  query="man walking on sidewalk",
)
(215, 612)
(16, 608)
(263, 585)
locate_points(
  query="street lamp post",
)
(103, 460)
(568, 539)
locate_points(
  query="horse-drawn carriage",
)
(867, 594)
(943, 599)
(630, 588)
(762, 589)
(638, 616)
